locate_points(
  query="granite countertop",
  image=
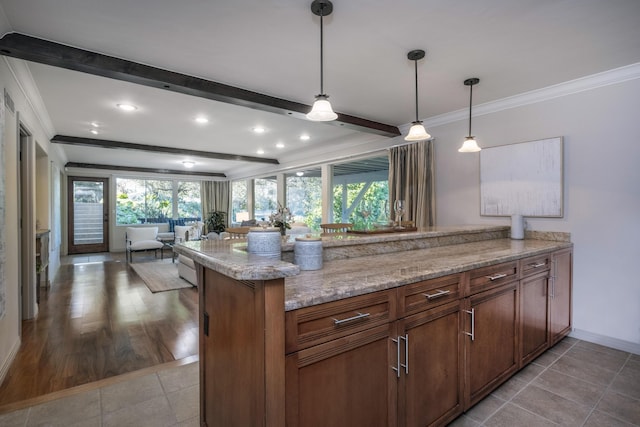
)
(343, 278)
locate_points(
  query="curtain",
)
(214, 196)
(411, 178)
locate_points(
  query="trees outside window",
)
(266, 198)
(304, 198)
(239, 210)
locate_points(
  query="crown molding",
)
(27, 85)
(594, 81)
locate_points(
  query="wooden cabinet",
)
(491, 329)
(534, 307)
(430, 382)
(560, 295)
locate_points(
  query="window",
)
(304, 197)
(140, 201)
(266, 198)
(239, 210)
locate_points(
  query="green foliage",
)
(216, 221)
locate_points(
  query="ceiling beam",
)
(51, 53)
(139, 169)
(119, 145)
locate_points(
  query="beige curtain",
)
(214, 196)
(411, 178)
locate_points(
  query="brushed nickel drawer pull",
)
(472, 334)
(406, 353)
(337, 322)
(496, 276)
(537, 264)
(438, 294)
(397, 368)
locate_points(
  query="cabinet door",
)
(430, 387)
(560, 295)
(534, 315)
(345, 382)
(491, 331)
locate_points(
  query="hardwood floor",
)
(99, 320)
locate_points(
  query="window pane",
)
(266, 196)
(189, 205)
(158, 201)
(304, 197)
(130, 201)
(239, 210)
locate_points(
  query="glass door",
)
(88, 207)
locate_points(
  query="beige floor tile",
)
(583, 370)
(509, 389)
(547, 358)
(511, 416)
(621, 407)
(66, 411)
(185, 402)
(551, 406)
(529, 372)
(600, 419)
(14, 419)
(483, 409)
(600, 348)
(155, 412)
(464, 421)
(564, 345)
(611, 361)
(628, 380)
(570, 387)
(130, 392)
(181, 377)
(191, 422)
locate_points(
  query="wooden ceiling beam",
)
(119, 145)
(34, 49)
(140, 169)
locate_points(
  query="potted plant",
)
(216, 222)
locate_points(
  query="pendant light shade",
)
(470, 145)
(321, 111)
(417, 131)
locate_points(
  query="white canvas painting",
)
(524, 179)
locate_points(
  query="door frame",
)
(88, 248)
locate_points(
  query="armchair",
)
(142, 239)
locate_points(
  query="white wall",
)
(601, 130)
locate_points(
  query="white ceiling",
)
(272, 47)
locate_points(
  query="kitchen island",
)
(331, 347)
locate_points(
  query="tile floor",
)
(575, 383)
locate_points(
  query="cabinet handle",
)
(472, 334)
(537, 264)
(406, 353)
(397, 368)
(206, 324)
(337, 322)
(438, 294)
(496, 276)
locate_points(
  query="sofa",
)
(186, 266)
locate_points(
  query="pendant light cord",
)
(470, 103)
(321, 51)
(415, 62)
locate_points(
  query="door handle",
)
(472, 334)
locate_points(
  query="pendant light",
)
(417, 131)
(321, 111)
(470, 145)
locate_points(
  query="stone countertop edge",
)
(351, 277)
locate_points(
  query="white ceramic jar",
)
(307, 252)
(265, 242)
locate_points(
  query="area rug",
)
(160, 276)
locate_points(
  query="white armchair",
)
(142, 239)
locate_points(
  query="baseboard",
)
(9, 360)
(606, 341)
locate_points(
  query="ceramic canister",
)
(517, 227)
(307, 252)
(265, 242)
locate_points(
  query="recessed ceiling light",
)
(260, 151)
(300, 173)
(201, 120)
(258, 129)
(127, 107)
(95, 124)
(280, 145)
(188, 164)
(94, 131)
(304, 137)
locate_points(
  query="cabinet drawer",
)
(489, 277)
(428, 293)
(534, 265)
(310, 326)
